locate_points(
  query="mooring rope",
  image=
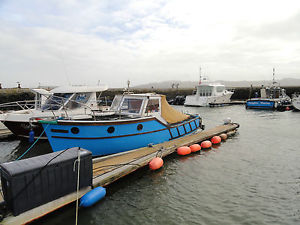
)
(33, 143)
(77, 190)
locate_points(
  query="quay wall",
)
(241, 93)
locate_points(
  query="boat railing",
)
(18, 105)
(60, 103)
(63, 106)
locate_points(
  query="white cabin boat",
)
(75, 102)
(207, 94)
(296, 101)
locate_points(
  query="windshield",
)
(116, 102)
(220, 88)
(56, 101)
(78, 100)
(131, 105)
(152, 106)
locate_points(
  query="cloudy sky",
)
(57, 42)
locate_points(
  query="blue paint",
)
(31, 136)
(126, 136)
(92, 197)
(260, 104)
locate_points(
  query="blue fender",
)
(31, 136)
(92, 197)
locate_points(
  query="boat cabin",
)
(272, 92)
(70, 98)
(210, 90)
(143, 105)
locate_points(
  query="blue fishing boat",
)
(274, 98)
(138, 120)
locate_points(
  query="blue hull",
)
(260, 104)
(113, 137)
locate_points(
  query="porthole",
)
(140, 127)
(75, 130)
(110, 130)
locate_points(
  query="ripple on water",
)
(252, 178)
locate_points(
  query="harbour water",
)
(252, 178)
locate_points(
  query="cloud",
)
(55, 42)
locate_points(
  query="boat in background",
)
(139, 120)
(273, 97)
(296, 101)
(207, 94)
(76, 102)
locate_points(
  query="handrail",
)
(30, 104)
(63, 104)
(26, 104)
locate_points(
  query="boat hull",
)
(194, 100)
(271, 104)
(22, 129)
(260, 104)
(127, 135)
(296, 103)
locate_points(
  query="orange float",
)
(184, 150)
(195, 147)
(216, 140)
(206, 144)
(223, 136)
(156, 163)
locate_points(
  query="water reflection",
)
(13, 149)
(252, 178)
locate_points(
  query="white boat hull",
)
(195, 100)
(296, 102)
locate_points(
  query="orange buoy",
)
(216, 140)
(206, 144)
(223, 136)
(195, 147)
(184, 150)
(156, 163)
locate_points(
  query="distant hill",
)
(287, 82)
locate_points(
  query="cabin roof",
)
(79, 89)
(41, 91)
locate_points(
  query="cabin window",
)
(78, 100)
(220, 89)
(131, 105)
(116, 102)
(152, 106)
(205, 90)
(56, 101)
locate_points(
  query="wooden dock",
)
(111, 168)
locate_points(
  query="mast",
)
(200, 78)
(274, 76)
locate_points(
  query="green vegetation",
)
(15, 94)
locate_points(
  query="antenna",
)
(200, 75)
(274, 76)
(128, 84)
